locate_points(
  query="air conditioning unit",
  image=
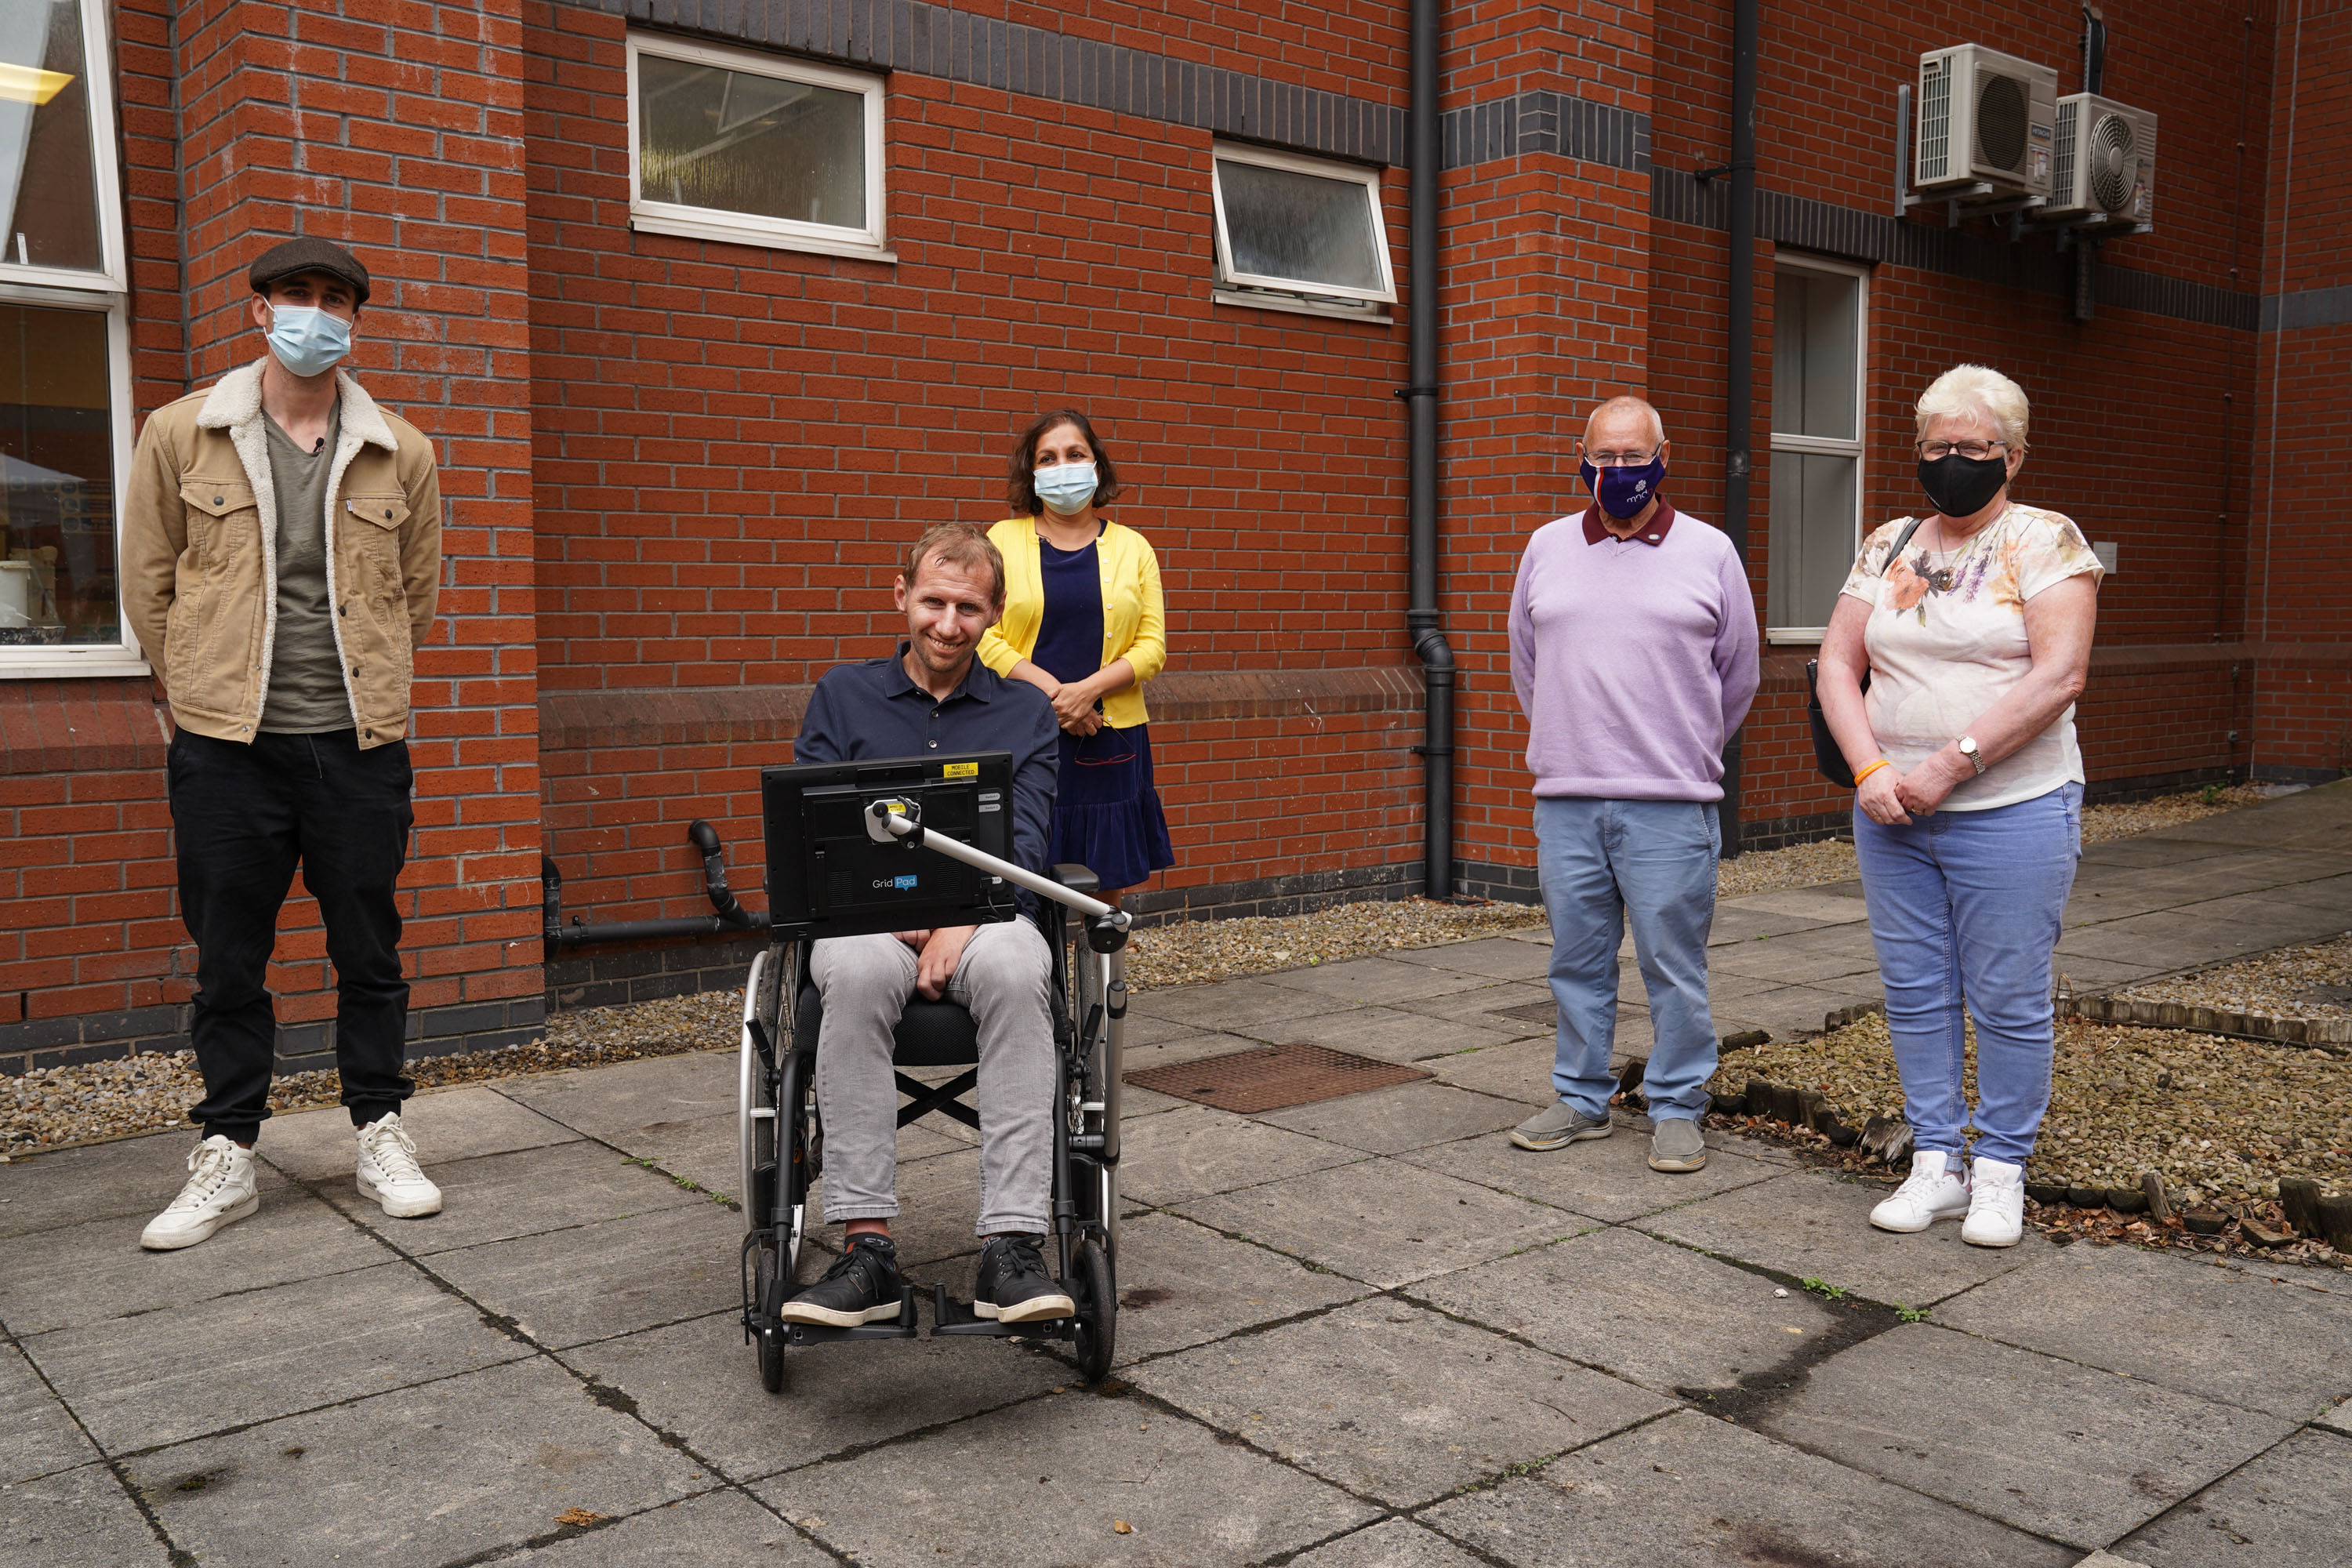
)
(2103, 162)
(1985, 119)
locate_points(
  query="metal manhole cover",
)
(1546, 1013)
(1273, 1077)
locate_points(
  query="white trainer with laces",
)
(1936, 1189)
(388, 1171)
(219, 1192)
(1997, 1209)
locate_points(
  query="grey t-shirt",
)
(306, 671)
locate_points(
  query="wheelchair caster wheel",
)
(770, 1340)
(1098, 1325)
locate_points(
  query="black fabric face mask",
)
(1962, 487)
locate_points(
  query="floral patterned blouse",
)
(1947, 640)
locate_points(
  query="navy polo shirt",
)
(872, 709)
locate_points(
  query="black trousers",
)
(243, 816)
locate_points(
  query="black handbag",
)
(1827, 756)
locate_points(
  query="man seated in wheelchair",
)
(934, 695)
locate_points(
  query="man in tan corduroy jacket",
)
(281, 555)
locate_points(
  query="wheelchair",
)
(781, 1135)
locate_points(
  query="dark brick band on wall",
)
(301, 1048)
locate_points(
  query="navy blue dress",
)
(1107, 811)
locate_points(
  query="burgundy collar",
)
(1654, 534)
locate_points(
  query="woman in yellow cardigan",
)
(1084, 623)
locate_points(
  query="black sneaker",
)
(1013, 1285)
(862, 1288)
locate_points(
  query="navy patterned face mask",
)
(1623, 492)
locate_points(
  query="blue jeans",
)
(1600, 861)
(1965, 909)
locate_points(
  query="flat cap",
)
(282, 261)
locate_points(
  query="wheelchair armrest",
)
(1077, 878)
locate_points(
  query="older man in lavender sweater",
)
(1634, 650)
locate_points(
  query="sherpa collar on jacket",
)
(235, 401)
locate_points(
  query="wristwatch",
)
(1967, 748)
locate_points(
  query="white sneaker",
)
(1936, 1189)
(219, 1192)
(1997, 1209)
(388, 1171)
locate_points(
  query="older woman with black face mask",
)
(1085, 624)
(1972, 624)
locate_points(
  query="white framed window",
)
(1298, 231)
(1821, 336)
(737, 146)
(64, 347)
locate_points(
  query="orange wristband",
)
(1874, 767)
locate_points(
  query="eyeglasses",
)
(1622, 460)
(1974, 451)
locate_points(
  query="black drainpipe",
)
(1739, 393)
(727, 914)
(1423, 622)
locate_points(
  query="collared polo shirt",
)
(1661, 523)
(873, 711)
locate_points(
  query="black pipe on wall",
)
(1738, 382)
(727, 915)
(1423, 621)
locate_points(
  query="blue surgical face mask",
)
(306, 339)
(1623, 492)
(1065, 486)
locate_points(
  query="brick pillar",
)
(397, 131)
(1546, 311)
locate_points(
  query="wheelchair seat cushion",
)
(930, 1034)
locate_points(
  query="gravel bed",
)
(2313, 982)
(53, 1106)
(2221, 1120)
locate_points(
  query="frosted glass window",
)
(731, 144)
(1300, 225)
(1819, 331)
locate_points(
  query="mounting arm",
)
(886, 820)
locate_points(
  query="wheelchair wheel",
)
(1098, 1311)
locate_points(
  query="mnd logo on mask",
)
(306, 339)
(1065, 486)
(1623, 492)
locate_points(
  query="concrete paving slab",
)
(698, 1382)
(1147, 1029)
(98, 1181)
(1602, 1178)
(449, 1470)
(86, 1273)
(1798, 961)
(1228, 1004)
(1494, 957)
(1789, 1010)
(448, 1124)
(1394, 1403)
(1809, 1226)
(1825, 905)
(1735, 923)
(1363, 980)
(717, 1530)
(2066, 1452)
(1698, 1493)
(1399, 1543)
(938, 1209)
(1516, 1070)
(1489, 1007)
(596, 1280)
(2283, 1346)
(2339, 1418)
(1403, 1116)
(37, 1436)
(1186, 1496)
(2284, 1509)
(708, 1151)
(2313, 821)
(1180, 1285)
(619, 1102)
(1664, 1318)
(1391, 1034)
(495, 1197)
(82, 1519)
(266, 1354)
(1197, 1151)
(1384, 1222)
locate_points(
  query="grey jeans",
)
(1004, 978)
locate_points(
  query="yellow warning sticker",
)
(960, 771)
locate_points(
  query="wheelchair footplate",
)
(819, 1334)
(957, 1318)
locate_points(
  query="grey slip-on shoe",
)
(1557, 1127)
(1676, 1145)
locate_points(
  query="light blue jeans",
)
(1965, 909)
(1653, 861)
